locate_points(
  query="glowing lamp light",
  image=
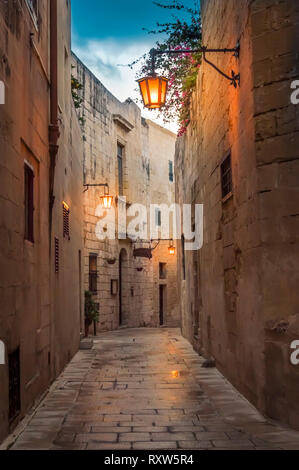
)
(171, 250)
(106, 201)
(154, 91)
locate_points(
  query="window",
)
(120, 154)
(33, 8)
(162, 270)
(183, 258)
(171, 177)
(158, 217)
(56, 255)
(66, 221)
(29, 203)
(226, 177)
(93, 273)
(14, 384)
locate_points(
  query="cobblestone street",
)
(146, 389)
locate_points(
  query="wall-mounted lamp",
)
(171, 249)
(154, 89)
(106, 199)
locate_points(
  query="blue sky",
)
(109, 32)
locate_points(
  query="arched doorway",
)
(123, 288)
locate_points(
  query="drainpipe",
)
(54, 132)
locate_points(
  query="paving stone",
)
(123, 396)
(173, 436)
(150, 429)
(208, 436)
(154, 445)
(241, 444)
(99, 437)
(109, 429)
(134, 437)
(186, 428)
(195, 445)
(107, 446)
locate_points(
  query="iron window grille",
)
(158, 218)
(93, 274)
(183, 258)
(14, 384)
(29, 203)
(56, 255)
(66, 222)
(226, 177)
(120, 161)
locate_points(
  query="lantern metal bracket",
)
(234, 78)
(100, 185)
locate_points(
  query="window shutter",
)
(226, 177)
(171, 171)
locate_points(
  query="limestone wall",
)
(147, 148)
(39, 310)
(243, 281)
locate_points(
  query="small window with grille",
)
(162, 270)
(66, 221)
(29, 202)
(14, 384)
(171, 176)
(120, 163)
(93, 273)
(226, 177)
(158, 217)
(56, 255)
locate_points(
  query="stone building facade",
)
(41, 175)
(239, 293)
(135, 158)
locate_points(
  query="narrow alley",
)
(146, 389)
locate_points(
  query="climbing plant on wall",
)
(180, 69)
(78, 101)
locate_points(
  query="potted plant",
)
(91, 312)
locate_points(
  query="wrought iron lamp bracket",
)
(234, 78)
(100, 185)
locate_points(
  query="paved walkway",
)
(146, 389)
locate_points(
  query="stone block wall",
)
(242, 283)
(40, 309)
(147, 149)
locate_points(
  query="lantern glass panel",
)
(144, 92)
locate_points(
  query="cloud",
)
(103, 58)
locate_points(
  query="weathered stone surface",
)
(147, 151)
(36, 315)
(246, 273)
(234, 423)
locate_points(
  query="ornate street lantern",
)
(154, 88)
(171, 249)
(106, 200)
(154, 91)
